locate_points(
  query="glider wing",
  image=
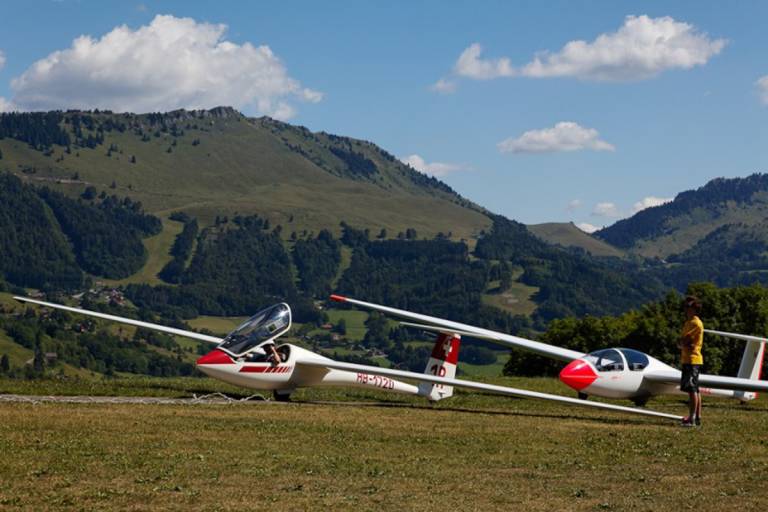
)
(710, 381)
(479, 386)
(129, 321)
(427, 322)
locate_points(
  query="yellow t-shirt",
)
(693, 330)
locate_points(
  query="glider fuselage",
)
(288, 375)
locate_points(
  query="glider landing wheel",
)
(281, 396)
(583, 396)
(640, 402)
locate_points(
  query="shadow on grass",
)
(495, 412)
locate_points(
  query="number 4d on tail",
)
(442, 363)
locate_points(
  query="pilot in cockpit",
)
(265, 351)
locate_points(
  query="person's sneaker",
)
(698, 421)
(687, 422)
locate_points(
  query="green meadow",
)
(347, 449)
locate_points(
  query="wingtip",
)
(19, 299)
(338, 298)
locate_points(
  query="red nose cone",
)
(578, 375)
(215, 357)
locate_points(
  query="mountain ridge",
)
(220, 162)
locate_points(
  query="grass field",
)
(364, 451)
(355, 322)
(516, 300)
(158, 255)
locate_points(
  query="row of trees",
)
(40, 130)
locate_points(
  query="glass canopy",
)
(262, 327)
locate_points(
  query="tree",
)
(377, 331)
(341, 327)
(5, 364)
(89, 194)
(38, 364)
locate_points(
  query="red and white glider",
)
(240, 359)
(610, 372)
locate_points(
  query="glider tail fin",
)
(442, 363)
(751, 367)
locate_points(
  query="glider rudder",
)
(442, 363)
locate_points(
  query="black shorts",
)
(689, 381)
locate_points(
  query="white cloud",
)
(606, 210)
(640, 49)
(564, 136)
(470, 65)
(170, 63)
(587, 227)
(2, 59)
(432, 168)
(573, 205)
(7, 106)
(762, 89)
(444, 86)
(648, 202)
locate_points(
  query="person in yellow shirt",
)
(691, 340)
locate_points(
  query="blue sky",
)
(642, 109)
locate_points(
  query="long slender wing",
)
(744, 337)
(501, 390)
(434, 328)
(543, 349)
(129, 321)
(710, 381)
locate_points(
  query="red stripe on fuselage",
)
(264, 369)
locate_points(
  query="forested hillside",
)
(568, 283)
(716, 233)
(47, 239)
(675, 227)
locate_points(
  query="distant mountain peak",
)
(677, 226)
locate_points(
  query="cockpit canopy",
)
(611, 360)
(265, 325)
